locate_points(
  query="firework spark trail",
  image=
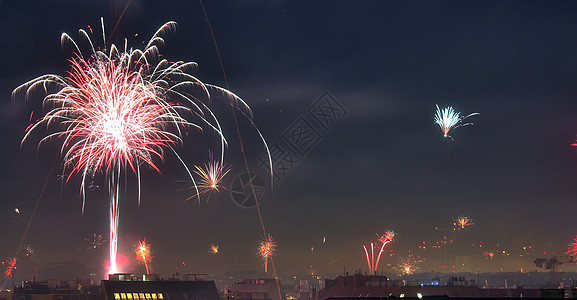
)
(384, 239)
(120, 110)
(369, 263)
(143, 253)
(113, 222)
(447, 118)
(265, 250)
(271, 174)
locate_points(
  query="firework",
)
(95, 242)
(407, 266)
(119, 111)
(462, 222)
(266, 249)
(210, 176)
(384, 239)
(388, 236)
(10, 267)
(213, 249)
(572, 247)
(489, 254)
(142, 252)
(448, 119)
(29, 252)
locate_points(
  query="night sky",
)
(380, 163)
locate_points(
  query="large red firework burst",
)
(10, 267)
(118, 110)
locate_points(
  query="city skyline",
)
(345, 95)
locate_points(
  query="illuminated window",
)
(148, 296)
(129, 296)
(123, 296)
(135, 295)
(116, 296)
(154, 296)
(160, 296)
(141, 296)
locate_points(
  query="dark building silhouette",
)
(379, 287)
(118, 287)
(125, 288)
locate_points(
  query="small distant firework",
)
(29, 252)
(462, 222)
(266, 249)
(407, 266)
(213, 249)
(10, 267)
(489, 254)
(448, 119)
(384, 239)
(93, 187)
(16, 212)
(95, 242)
(143, 253)
(210, 176)
(388, 236)
(572, 247)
